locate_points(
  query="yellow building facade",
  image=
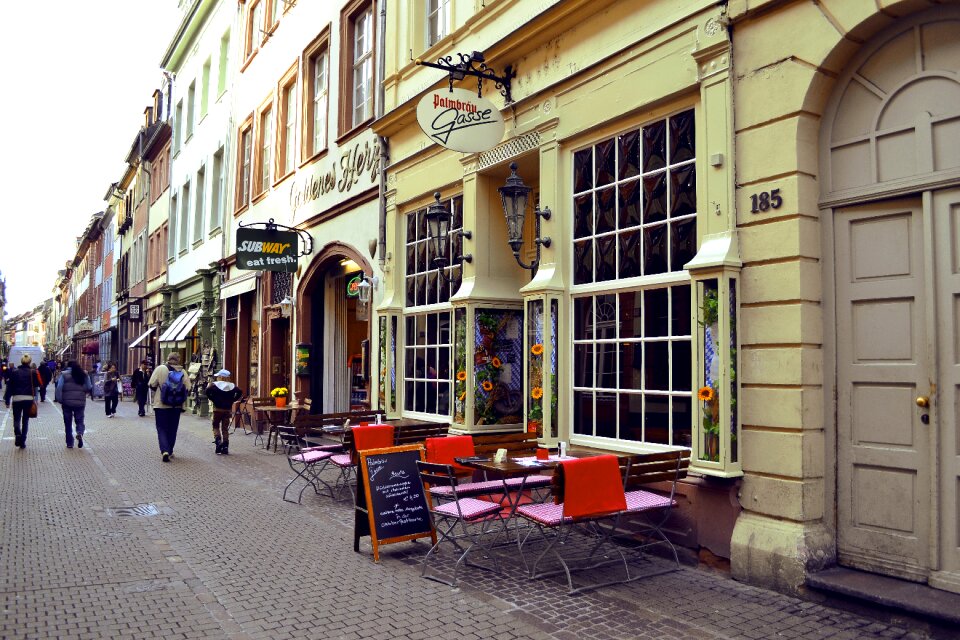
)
(688, 296)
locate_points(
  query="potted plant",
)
(280, 396)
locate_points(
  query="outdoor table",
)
(276, 416)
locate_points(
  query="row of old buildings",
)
(735, 239)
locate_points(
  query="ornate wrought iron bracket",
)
(473, 65)
(305, 238)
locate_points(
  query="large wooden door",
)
(946, 219)
(883, 367)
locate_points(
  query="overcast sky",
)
(77, 75)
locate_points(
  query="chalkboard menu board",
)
(126, 384)
(391, 501)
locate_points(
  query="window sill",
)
(203, 116)
(182, 253)
(240, 210)
(260, 196)
(351, 133)
(216, 231)
(277, 182)
(188, 138)
(246, 63)
(197, 243)
(319, 155)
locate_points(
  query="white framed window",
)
(222, 66)
(178, 128)
(205, 87)
(216, 195)
(428, 379)
(634, 219)
(198, 207)
(319, 64)
(265, 149)
(362, 66)
(438, 20)
(184, 217)
(424, 284)
(172, 232)
(191, 107)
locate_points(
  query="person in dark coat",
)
(140, 379)
(46, 375)
(21, 385)
(111, 390)
(71, 392)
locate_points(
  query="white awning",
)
(243, 284)
(62, 351)
(142, 336)
(180, 327)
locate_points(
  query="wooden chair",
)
(258, 423)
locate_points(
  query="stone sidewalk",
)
(225, 557)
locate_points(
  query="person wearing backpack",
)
(171, 387)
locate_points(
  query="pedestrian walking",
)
(140, 379)
(171, 386)
(71, 392)
(111, 390)
(222, 393)
(46, 375)
(21, 388)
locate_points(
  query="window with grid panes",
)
(428, 380)
(635, 221)
(318, 104)
(423, 282)
(363, 66)
(438, 12)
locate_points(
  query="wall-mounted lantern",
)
(514, 196)
(439, 218)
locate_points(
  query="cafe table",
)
(276, 416)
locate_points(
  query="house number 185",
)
(765, 200)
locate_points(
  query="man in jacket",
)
(46, 375)
(222, 393)
(21, 385)
(167, 415)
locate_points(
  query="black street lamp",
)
(514, 196)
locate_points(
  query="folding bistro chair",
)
(587, 493)
(310, 460)
(359, 438)
(653, 508)
(240, 418)
(463, 522)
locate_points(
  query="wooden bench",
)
(418, 433)
(517, 444)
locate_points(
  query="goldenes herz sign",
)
(265, 250)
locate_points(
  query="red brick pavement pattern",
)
(227, 558)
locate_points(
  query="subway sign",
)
(265, 250)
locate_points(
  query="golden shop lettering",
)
(359, 160)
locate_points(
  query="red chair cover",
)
(592, 487)
(373, 437)
(444, 450)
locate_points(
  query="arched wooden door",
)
(890, 163)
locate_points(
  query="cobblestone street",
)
(227, 558)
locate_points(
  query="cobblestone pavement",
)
(225, 557)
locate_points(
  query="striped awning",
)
(181, 327)
(141, 338)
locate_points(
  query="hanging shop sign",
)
(353, 285)
(459, 120)
(267, 250)
(135, 309)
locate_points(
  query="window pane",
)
(630, 253)
(606, 210)
(583, 365)
(583, 262)
(631, 416)
(682, 366)
(630, 315)
(605, 162)
(583, 170)
(682, 137)
(583, 412)
(606, 258)
(682, 421)
(656, 366)
(628, 154)
(583, 216)
(655, 198)
(629, 204)
(683, 191)
(683, 241)
(655, 313)
(631, 365)
(654, 146)
(680, 300)
(606, 407)
(583, 318)
(655, 249)
(657, 419)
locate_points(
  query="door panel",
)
(946, 216)
(883, 493)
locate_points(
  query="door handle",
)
(923, 402)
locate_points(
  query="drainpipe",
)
(384, 143)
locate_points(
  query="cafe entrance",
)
(333, 328)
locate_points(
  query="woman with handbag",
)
(21, 387)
